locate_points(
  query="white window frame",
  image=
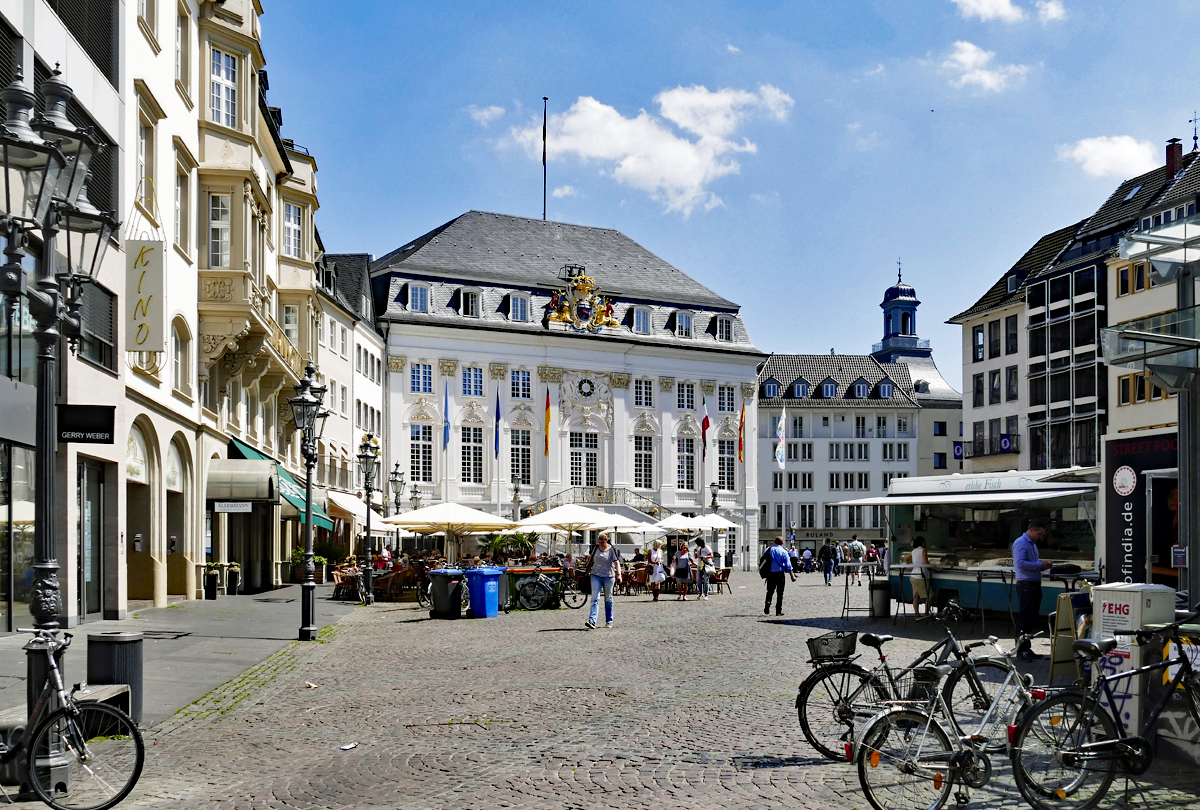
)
(828, 390)
(465, 307)
(223, 87)
(642, 321)
(420, 378)
(861, 390)
(771, 390)
(686, 467)
(684, 324)
(220, 218)
(418, 294)
(725, 329)
(293, 230)
(520, 386)
(643, 393)
(520, 454)
(183, 64)
(345, 400)
(832, 516)
(726, 399)
(472, 381)
(806, 481)
(685, 396)
(518, 308)
(291, 323)
(643, 462)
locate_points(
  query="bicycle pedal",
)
(962, 798)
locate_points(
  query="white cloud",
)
(484, 115)
(1051, 10)
(875, 71)
(674, 165)
(990, 10)
(973, 65)
(1111, 156)
(733, 48)
(565, 191)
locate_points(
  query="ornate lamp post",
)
(396, 482)
(45, 190)
(310, 420)
(368, 465)
(516, 501)
(714, 488)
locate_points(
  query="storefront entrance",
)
(16, 535)
(93, 567)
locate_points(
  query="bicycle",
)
(1068, 749)
(840, 692)
(906, 758)
(81, 756)
(543, 591)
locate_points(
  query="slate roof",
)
(350, 283)
(1043, 252)
(936, 390)
(845, 370)
(1118, 211)
(485, 247)
(1185, 186)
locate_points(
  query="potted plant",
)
(212, 579)
(233, 579)
(319, 572)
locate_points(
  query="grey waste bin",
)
(116, 657)
(446, 590)
(881, 599)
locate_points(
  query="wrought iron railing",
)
(599, 495)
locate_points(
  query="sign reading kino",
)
(145, 314)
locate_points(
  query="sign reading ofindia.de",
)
(145, 311)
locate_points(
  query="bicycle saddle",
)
(872, 640)
(1093, 648)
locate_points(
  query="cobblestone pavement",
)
(681, 705)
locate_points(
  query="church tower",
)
(900, 325)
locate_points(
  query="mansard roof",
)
(503, 249)
(844, 370)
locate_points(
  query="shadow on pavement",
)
(757, 763)
(563, 630)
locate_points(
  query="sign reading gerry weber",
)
(1125, 462)
(86, 424)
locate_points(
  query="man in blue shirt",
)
(781, 564)
(1029, 567)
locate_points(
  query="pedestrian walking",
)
(919, 578)
(781, 564)
(794, 554)
(827, 557)
(808, 560)
(1029, 567)
(657, 574)
(604, 567)
(682, 565)
(857, 553)
(704, 568)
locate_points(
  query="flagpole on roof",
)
(545, 109)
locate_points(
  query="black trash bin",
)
(116, 657)
(881, 598)
(446, 591)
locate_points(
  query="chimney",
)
(1174, 156)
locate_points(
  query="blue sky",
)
(784, 154)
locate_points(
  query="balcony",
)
(900, 342)
(1003, 445)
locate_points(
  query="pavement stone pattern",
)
(682, 705)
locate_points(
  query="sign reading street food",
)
(145, 309)
(86, 424)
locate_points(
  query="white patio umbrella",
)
(679, 522)
(452, 518)
(570, 517)
(713, 521)
(617, 522)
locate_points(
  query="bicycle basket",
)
(917, 686)
(833, 645)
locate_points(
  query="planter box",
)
(319, 575)
(212, 580)
(233, 580)
(298, 574)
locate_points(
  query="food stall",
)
(969, 522)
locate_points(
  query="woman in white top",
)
(657, 575)
(920, 576)
(683, 570)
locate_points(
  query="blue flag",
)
(446, 417)
(958, 451)
(497, 422)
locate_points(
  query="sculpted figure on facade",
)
(584, 394)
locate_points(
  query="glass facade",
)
(16, 535)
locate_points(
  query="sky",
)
(786, 155)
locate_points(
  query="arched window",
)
(906, 324)
(181, 371)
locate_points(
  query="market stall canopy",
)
(451, 518)
(240, 479)
(292, 492)
(348, 504)
(963, 498)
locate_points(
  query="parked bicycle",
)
(542, 591)
(81, 756)
(840, 693)
(1067, 750)
(906, 757)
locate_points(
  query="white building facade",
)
(564, 364)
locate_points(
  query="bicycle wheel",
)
(532, 596)
(1046, 764)
(904, 762)
(572, 597)
(970, 691)
(424, 598)
(87, 761)
(827, 703)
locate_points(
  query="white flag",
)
(779, 432)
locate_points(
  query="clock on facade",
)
(586, 388)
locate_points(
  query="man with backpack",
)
(772, 566)
(857, 552)
(826, 557)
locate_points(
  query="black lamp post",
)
(310, 421)
(45, 191)
(516, 512)
(396, 481)
(368, 464)
(714, 488)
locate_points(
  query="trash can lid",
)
(115, 635)
(492, 570)
(447, 571)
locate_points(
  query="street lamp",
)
(310, 421)
(37, 197)
(368, 464)
(714, 488)
(396, 482)
(516, 512)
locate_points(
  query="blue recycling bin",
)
(484, 585)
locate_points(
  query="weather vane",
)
(1195, 139)
(899, 278)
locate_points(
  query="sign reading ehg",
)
(145, 310)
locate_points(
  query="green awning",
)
(292, 492)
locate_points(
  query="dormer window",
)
(683, 324)
(1012, 285)
(470, 304)
(829, 389)
(641, 321)
(518, 308)
(885, 390)
(800, 390)
(860, 390)
(771, 390)
(725, 328)
(418, 298)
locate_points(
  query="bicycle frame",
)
(52, 687)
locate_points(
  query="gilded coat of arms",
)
(580, 305)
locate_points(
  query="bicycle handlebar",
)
(1146, 635)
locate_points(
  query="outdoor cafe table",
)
(1003, 573)
(849, 568)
